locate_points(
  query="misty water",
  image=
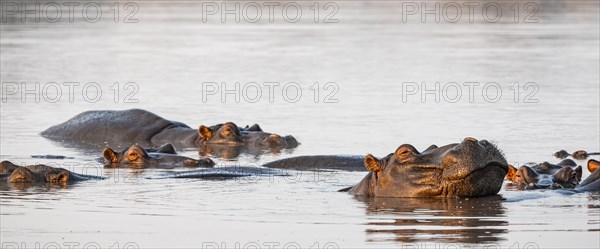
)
(367, 71)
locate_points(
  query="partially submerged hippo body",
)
(223, 173)
(11, 173)
(162, 157)
(122, 128)
(468, 169)
(564, 175)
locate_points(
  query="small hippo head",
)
(467, 169)
(230, 134)
(525, 175)
(39, 173)
(227, 133)
(271, 140)
(593, 165)
(567, 177)
(137, 157)
(580, 155)
(562, 154)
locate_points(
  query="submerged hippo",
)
(11, 173)
(579, 155)
(566, 177)
(221, 173)
(139, 126)
(163, 157)
(468, 169)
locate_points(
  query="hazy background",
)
(367, 55)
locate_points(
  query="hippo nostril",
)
(484, 142)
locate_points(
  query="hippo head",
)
(525, 175)
(138, 157)
(227, 134)
(567, 177)
(40, 173)
(562, 154)
(580, 155)
(468, 169)
(230, 134)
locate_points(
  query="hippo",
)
(122, 128)
(565, 174)
(223, 173)
(320, 162)
(579, 155)
(471, 168)
(11, 173)
(162, 157)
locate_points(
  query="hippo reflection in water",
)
(448, 220)
(125, 127)
(163, 157)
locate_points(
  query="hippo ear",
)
(205, 133)
(512, 171)
(110, 155)
(578, 172)
(593, 165)
(406, 151)
(56, 178)
(254, 127)
(373, 164)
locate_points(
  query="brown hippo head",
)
(230, 134)
(137, 157)
(24, 176)
(567, 177)
(580, 155)
(562, 154)
(39, 173)
(468, 169)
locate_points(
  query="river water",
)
(358, 77)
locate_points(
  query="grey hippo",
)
(164, 156)
(122, 128)
(39, 173)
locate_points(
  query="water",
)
(170, 52)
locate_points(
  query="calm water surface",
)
(368, 54)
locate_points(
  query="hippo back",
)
(113, 127)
